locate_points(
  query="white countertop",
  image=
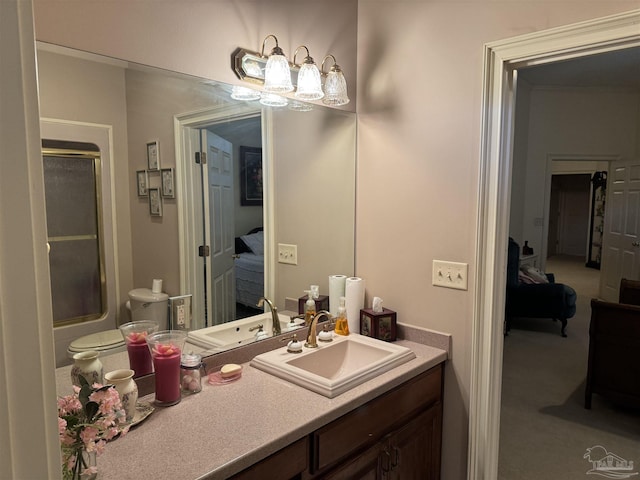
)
(226, 428)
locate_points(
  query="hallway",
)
(545, 429)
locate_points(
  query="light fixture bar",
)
(251, 66)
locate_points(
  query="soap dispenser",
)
(342, 325)
(309, 308)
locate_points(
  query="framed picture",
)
(168, 188)
(153, 155)
(250, 176)
(155, 202)
(143, 183)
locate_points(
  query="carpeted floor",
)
(545, 429)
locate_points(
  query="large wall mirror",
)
(290, 179)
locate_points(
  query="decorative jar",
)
(126, 387)
(88, 365)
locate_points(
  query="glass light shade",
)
(335, 89)
(277, 75)
(300, 106)
(273, 100)
(309, 83)
(244, 93)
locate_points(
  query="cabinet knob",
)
(635, 244)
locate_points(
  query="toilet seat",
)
(109, 340)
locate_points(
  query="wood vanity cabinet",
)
(394, 436)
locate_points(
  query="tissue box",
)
(380, 325)
(322, 303)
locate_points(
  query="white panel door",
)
(220, 282)
(621, 246)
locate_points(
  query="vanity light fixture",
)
(278, 76)
(309, 83)
(244, 93)
(277, 73)
(273, 100)
(335, 85)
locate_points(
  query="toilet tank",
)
(147, 305)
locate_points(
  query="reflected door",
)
(219, 216)
(621, 241)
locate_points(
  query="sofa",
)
(546, 299)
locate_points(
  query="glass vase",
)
(135, 335)
(82, 466)
(166, 350)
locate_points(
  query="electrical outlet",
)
(450, 274)
(288, 254)
(180, 312)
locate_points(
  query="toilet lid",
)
(98, 341)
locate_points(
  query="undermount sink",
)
(334, 367)
(237, 333)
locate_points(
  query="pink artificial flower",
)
(68, 404)
(67, 439)
(88, 436)
(99, 446)
(62, 426)
(108, 400)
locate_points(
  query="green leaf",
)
(91, 408)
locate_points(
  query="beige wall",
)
(314, 192)
(419, 75)
(419, 112)
(572, 122)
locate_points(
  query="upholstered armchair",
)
(536, 300)
(614, 347)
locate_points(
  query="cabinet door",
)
(285, 464)
(366, 466)
(414, 450)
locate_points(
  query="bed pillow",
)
(255, 242)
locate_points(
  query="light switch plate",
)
(288, 253)
(450, 274)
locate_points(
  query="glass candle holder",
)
(166, 350)
(135, 335)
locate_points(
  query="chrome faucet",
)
(311, 336)
(274, 314)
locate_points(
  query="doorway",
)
(569, 215)
(502, 59)
(197, 226)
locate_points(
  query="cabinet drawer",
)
(282, 465)
(372, 421)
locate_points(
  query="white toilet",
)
(144, 304)
(151, 305)
(109, 341)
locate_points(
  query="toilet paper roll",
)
(157, 286)
(336, 290)
(354, 293)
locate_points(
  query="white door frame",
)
(190, 208)
(501, 60)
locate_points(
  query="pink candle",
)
(166, 361)
(139, 358)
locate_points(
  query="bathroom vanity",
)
(262, 426)
(396, 435)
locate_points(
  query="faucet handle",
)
(294, 346)
(257, 327)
